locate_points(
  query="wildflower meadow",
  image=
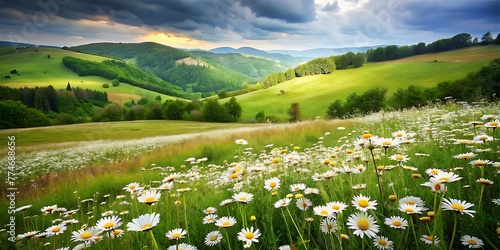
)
(416, 179)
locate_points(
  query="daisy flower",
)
(297, 187)
(482, 138)
(55, 230)
(303, 203)
(213, 238)
(150, 197)
(492, 124)
(484, 181)
(400, 134)
(337, 206)
(324, 211)
(144, 222)
(109, 223)
(457, 206)
(399, 158)
(428, 239)
(465, 156)
(86, 234)
(22, 208)
(363, 203)
(328, 225)
(249, 235)
(210, 210)
(27, 235)
(496, 201)
(435, 185)
(49, 209)
(282, 202)
(410, 200)
(166, 186)
(209, 219)
(479, 163)
(446, 177)
(182, 246)
(242, 197)
(273, 183)
(116, 233)
(471, 241)
(396, 222)
(241, 142)
(225, 221)
(382, 242)
(225, 202)
(363, 224)
(311, 191)
(410, 209)
(132, 187)
(387, 142)
(284, 247)
(176, 234)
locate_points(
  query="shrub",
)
(105, 85)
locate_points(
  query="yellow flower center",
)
(146, 226)
(472, 242)
(249, 235)
(109, 224)
(386, 143)
(329, 226)
(444, 179)
(410, 202)
(56, 229)
(457, 206)
(149, 199)
(272, 184)
(233, 176)
(117, 232)
(243, 198)
(363, 224)
(350, 151)
(86, 235)
(324, 212)
(213, 238)
(428, 237)
(399, 134)
(97, 238)
(367, 136)
(494, 124)
(131, 186)
(226, 224)
(176, 235)
(399, 157)
(409, 210)
(382, 242)
(336, 207)
(363, 203)
(396, 223)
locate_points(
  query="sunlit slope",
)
(315, 93)
(35, 68)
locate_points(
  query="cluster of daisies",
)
(273, 172)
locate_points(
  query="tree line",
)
(322, 65)
(481, 85)
(458, 41)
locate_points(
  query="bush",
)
(13, 71)
(116, 83)
(105, 85)
(7, 77)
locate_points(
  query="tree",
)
(260, 117)
(487, 38)
(158, 98)
(419, 48)
(222, 94)
(212, 111)
(294, 112)
(358, 60)
(497, 40)
(17, 115)
(336, 110)
(289, 74)
(173, 110)
(115, 83)
(48, 56)
(155, 111)
(233, 109)
(143, 101)
(68, 87)
(105, 85)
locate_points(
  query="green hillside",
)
(35, 68)
(315, 93)
(191, 73)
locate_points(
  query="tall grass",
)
(327, 157)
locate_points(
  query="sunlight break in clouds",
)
(174, 40)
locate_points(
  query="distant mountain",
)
(192, 73)
(324, 52)
(23, 45)
(287, 60)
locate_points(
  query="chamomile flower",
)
(210, 210)
(471, 241)
(496, 201)
(493, 124)
(182, 246)
(213, 238)
(144, 222)
(249, 235)
(209, 219)
(282, 202)
(324, 211)
(382, 242)
(396, 222)
(363, 203)
(49, 209)
(337, 206)
(27, 235)
(479, 163)
(116, 233)
(303, 203)
(428, 239)
(446, 177)
(132, 187)
(85, 235)
(328, 225)
(225, 221)
(150, 197)
(242, 197)
(311, 191)
(410, 209)
(435, 185)
(109, 223)
(363, 224)
(465, 156)
(176, 234)
(412, 200)
(241, 142)
(399, 158)
(484, 181)
(297, 187)
(387, 142)
(273, 183)
(457, 206)
(56, 230)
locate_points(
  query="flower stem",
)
(155, 245)
(454, 231)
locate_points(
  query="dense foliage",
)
(123, 72)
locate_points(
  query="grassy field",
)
(36, 69)
(43, 138)
(315, 93)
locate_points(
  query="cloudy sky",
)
(264, 24)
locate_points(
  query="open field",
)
(310, 185)
(36, 69)
(315, 93)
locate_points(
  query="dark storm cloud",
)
(291, 11)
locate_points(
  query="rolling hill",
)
(315, 93)
(287, 60)
(35, 68)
